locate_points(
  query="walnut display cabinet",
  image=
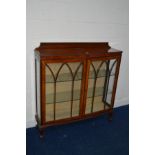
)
(74, 81)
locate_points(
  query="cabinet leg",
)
(41, 133)
(110, 114)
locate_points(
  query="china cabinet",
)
(74, 81)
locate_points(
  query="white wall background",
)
(76, 21)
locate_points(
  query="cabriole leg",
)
(110, 114)
(41, 132)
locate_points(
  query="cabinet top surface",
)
(77, 49)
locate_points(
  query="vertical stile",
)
(84, 89)
(94, 88)
(72, 95)
(36, 86)
(105, 82)
(42, 82)
(54, 105)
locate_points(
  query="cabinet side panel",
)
(115, 80)
(37, 64)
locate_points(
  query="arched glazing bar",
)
(72, 92)
(55, 78)
(108, 74)
(51, 72)
(95, 80)
(69, 68)
(54, 98)
(112, 66)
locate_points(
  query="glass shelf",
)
(66, 96)
(64, 77)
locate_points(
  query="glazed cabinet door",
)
(101, 84)
(62, 86)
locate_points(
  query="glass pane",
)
(100, 85)
(38, 87)
(63, 87)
